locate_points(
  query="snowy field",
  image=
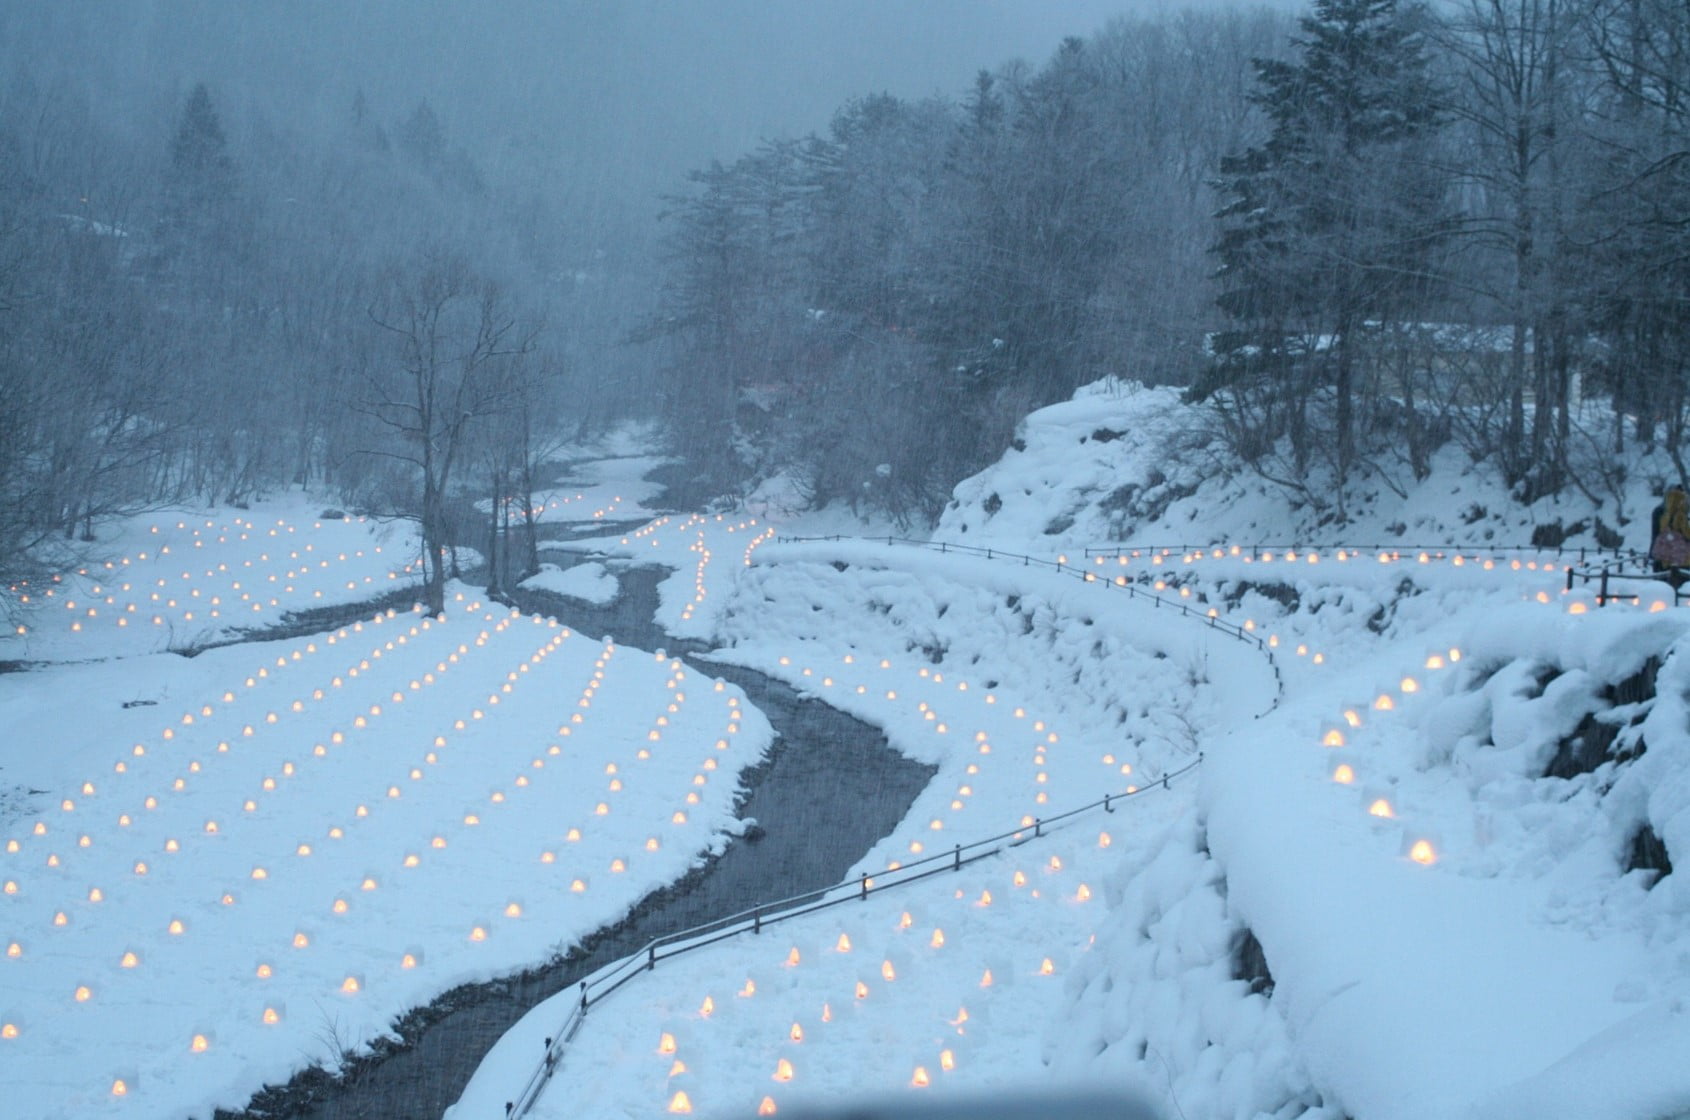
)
(1408, 819)
(267, 852)
(178, 580)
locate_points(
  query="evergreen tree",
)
(199, 150)
(202, 173)
(1332, 221)
(422, 136)
(199, 217)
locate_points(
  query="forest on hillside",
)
(217, 310)
(1357, 236)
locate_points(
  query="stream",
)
(827, 791)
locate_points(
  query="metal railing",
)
(1443, 551)
(1605, 576)
(1086, 575)
(612, 977)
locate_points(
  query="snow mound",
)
(589, 582)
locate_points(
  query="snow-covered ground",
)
(180, 580)
(1122, 462)
(215, 867)
(1449, 931)
(588, 582)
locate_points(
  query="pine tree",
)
(422, 136)
(200, 222)
(1332, 220)
(202, 174)
(199, 150)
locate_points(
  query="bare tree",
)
(453, 337)
(1517, 102)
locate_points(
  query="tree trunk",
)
(1542, 395)
(1513, 437)
(433, 535)
(530, 518)
(495, 584)
(1344, 386)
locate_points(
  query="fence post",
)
(651, 956)
(863, 882)
(757, 920)
(1602, 595)
(583, 997)
(1038, 824)
(1107, 808)
(956, 858)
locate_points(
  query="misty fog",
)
(834, 248)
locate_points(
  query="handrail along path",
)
(613, 977)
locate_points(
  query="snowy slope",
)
(179, 580)
(1444, 928)
(286, 845)
(1121, 462)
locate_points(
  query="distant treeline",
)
(1356, 236)
(212, 312)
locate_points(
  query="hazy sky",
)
(652, 85)
(600, 105)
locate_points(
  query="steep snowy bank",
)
(1121, 462)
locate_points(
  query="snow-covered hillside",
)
(217, 866)
(1413, 858)
(1429, 882)
(1122, 462)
